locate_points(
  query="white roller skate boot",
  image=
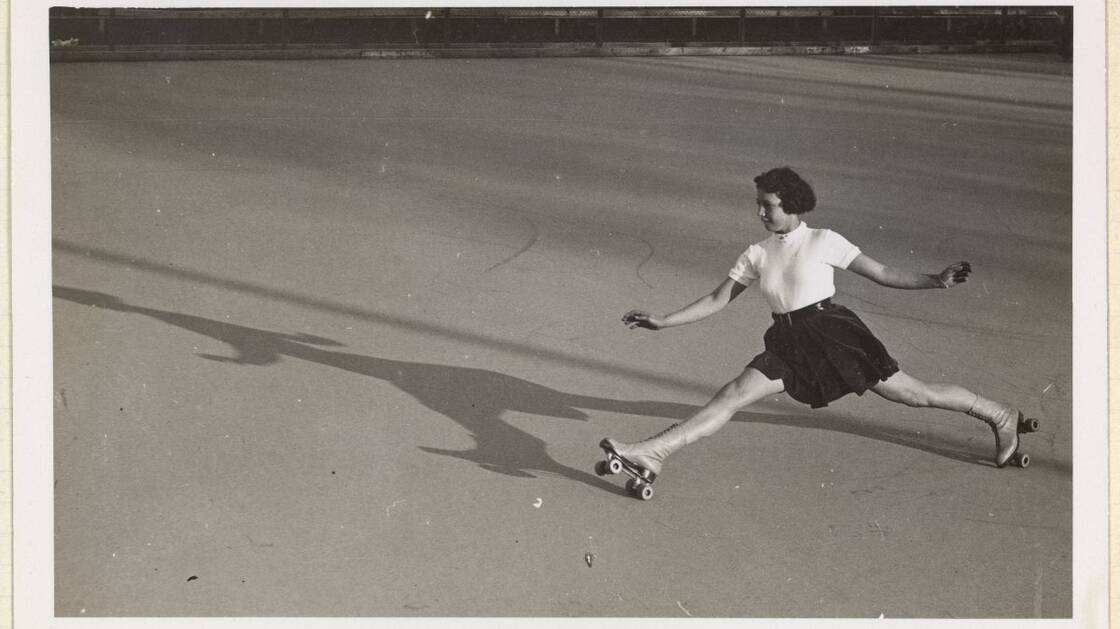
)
(1006, 422)
(647, 455)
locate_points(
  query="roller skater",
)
(817, 351)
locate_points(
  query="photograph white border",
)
(32, 391)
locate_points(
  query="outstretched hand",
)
(639, 319)
(955, 274)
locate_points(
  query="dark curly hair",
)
(796, 194)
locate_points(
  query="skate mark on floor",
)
(649, 256)
(881, 309)
(1018, 524)
(972, 326)
(526, 247)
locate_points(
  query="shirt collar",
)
(794, 235)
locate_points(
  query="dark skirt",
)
(823, 352)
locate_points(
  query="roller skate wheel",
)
(601, 468)
(638, 489)
(614, 466)
(1029, 425)
(1021, 459)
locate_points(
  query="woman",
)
(816, 351)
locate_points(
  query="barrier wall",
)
(82, 33)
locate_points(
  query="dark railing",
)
(522, 26)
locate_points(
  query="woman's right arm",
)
(702, 308)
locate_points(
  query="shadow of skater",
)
(477, 399)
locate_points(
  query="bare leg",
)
(749, 387)
(1003, 419)
(905, 389)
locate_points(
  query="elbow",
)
(709, 307)
(717, 303)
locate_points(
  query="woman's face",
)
(773, 217)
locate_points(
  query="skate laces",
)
(662, 433)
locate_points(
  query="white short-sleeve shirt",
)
(795, 270)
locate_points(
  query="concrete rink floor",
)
(340, 338)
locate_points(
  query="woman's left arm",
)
(895, 278)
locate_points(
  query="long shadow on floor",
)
(477, 399)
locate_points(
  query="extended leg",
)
(1003, 419)
(749, 387)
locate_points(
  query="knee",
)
(742, 392)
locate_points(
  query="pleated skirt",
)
(822, 353)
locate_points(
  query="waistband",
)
(802, 313)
